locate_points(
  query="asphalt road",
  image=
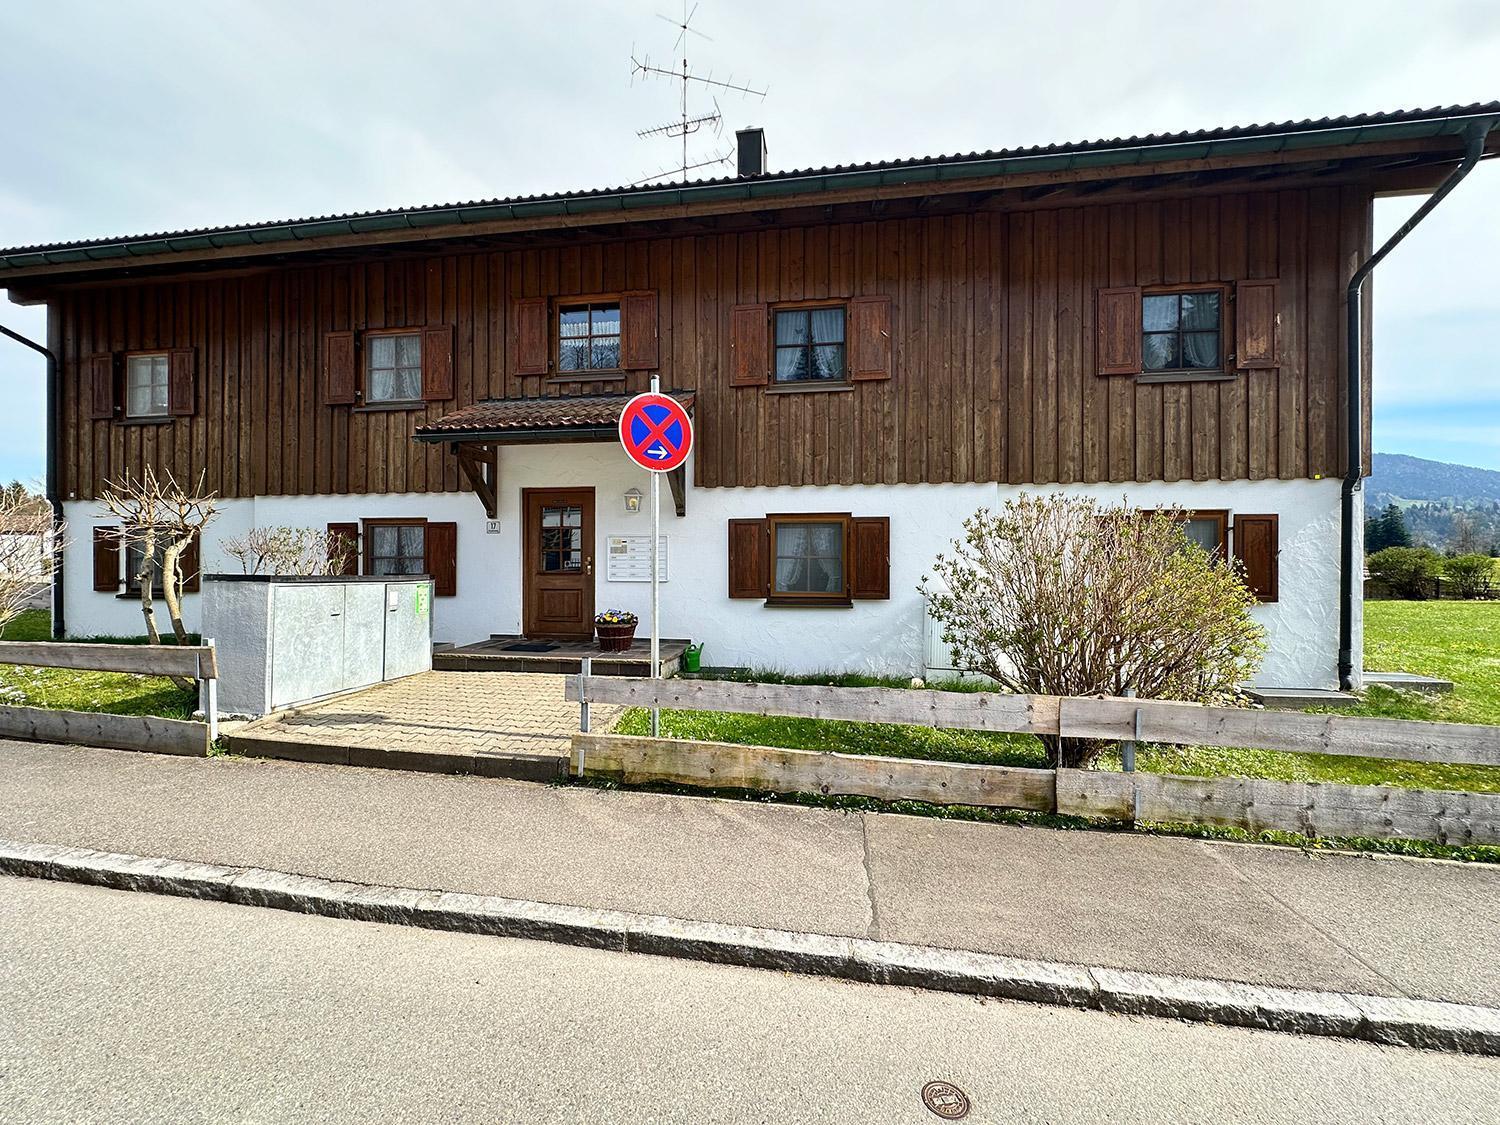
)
(125, 1007)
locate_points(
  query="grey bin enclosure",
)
(285, 641)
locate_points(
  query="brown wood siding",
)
(993, 351)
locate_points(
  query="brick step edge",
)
(1393, 1021)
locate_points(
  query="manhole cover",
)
(946, 1100)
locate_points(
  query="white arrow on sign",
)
(658, 452)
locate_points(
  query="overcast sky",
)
(129, 117)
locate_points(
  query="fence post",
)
(1127, 762)
(212, 685)
(585, 667)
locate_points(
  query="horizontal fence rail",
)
(1105, 717)
(196, 661)
(116, 732)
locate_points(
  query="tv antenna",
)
(688, 122)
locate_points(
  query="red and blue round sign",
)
(656, 432)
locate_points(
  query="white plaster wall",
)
(883, 636)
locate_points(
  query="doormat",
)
(530, 646)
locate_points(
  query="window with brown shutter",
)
(870, 558)
(442, 558)
(182, 387)
(529, 336)
(340, 375)
(101, 378)
(638, 344)
(1257, 319)
(749, 563)
(191, 565)
(1117, 328)
(107, 559)
(810, 558)
(1256, 548)
(346, 535)
(871, 342)
(749, 346)
(437, 362)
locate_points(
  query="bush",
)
(1056, 595)
(1471, 576)
(1407, 572)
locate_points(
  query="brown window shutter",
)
(529, 336)
(870, 338)
(107, 559)
(437, 362)
(441, 542)
(638, 330)
(191, 567)
(870, 558)
(1256, 548)
(182, 381)
(749, 559)
(100, 371)
(340, 376)
(749, 347)
(349, 534)
(1257, 322)
(1118, 330)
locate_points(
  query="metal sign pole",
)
(655, 585)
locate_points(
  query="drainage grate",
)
(946, 1100)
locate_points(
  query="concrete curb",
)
(1395, 1021)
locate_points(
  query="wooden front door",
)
(558, 564)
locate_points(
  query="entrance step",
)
(522, 654)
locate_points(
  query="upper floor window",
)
(1182, 331)
(147, 386)
(588, 337)
(393, 367)
(810, 345)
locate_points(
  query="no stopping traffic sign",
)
(656, 432)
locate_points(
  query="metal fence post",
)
(585, 667)
(213, 694)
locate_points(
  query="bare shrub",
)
(290, 550)
(162, 519)
(1058, 595)
(27, 540)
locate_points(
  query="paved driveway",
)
(500, 723)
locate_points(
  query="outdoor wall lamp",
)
(633, 500)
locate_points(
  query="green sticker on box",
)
(422, 601)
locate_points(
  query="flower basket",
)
(616, 629)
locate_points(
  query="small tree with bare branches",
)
(27, 540)
(290, 550)
(161, 519)
(1060, 595)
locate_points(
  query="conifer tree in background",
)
(1386, 530)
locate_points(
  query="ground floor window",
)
(392, 547)
(809, 556)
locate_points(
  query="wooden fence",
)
(1309, 808)
(121, 732)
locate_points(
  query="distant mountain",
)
(1450, 507)
(1399, 477)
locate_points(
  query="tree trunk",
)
(1073, 753)
(143, 579)
(171, 588)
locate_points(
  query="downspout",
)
(53, 481)
(1475, 136)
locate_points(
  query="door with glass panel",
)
(557, 568)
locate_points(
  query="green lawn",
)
(117, 693)
(1459, 641)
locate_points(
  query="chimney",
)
(752, 152)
